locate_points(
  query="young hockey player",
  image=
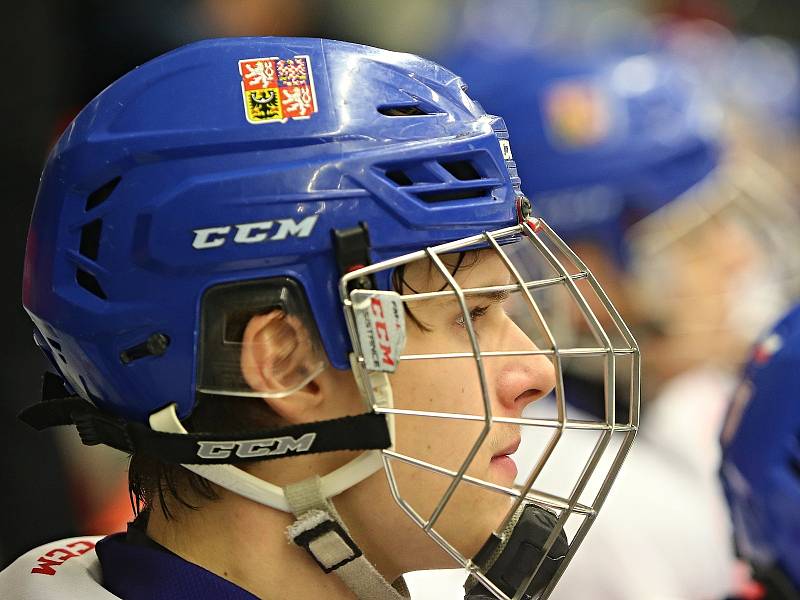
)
(297, 280)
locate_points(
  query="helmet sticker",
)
(381, 326)
(277, 89)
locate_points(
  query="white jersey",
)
(56, 571)
(664, 532)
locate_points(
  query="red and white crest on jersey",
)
(767, 348)
(277, 89)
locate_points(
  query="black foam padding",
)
(521, 555)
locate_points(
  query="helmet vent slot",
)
(412, 110)
(89, 282)
(463, 170)
(101, 194)
(399, 177)
(446, 195)
(90, 239)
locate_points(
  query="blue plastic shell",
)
(168, 150)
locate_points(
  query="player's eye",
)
(475, 314)
(495, 299)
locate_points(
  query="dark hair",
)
(151, 479)
(400, 284)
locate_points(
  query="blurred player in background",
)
(629, 154)
(739, 239)
(761, 462)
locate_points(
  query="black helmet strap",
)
(368, 431)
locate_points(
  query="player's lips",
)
(509, 449)
(504, 463)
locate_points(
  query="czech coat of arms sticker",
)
(277, 89)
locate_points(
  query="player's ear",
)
(276, 355)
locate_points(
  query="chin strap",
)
(170, 442)
(321, 532)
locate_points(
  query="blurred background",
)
(728, 277)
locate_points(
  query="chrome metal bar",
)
(448, 547)
(597, 329)
(530, 285)
(407, 508)
(550, 500)
(559, 384)
(621, 326)
(600, 499)
(420, 254)
(487, 407)
(562, 352)
(606, 349)
(524, 421)
(602, 296)
(586, 474)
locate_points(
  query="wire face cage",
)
(467, 359)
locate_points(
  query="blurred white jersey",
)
(663, 533)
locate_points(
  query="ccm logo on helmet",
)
(253, 233)
(255, 448)
(382, 331)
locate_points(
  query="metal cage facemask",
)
(469, 355)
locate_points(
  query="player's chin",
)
(491, 513)
(496, 502)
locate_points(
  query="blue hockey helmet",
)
(603, 138)
(761, 457)
(237, 159)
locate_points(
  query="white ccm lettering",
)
(202, 237)
(252, 233)
(256, 448)
(244, 232)
(289, 227)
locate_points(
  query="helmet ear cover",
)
(290, 344)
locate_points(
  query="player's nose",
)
(523, 378)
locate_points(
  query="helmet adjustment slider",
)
(352, 252)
